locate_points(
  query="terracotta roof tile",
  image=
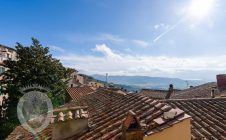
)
(77, 92)
(208, 116)
(202, 91)
(154, 94)
(107, 111)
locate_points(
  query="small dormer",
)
(131, 128)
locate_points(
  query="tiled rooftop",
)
(155, 94)
(107, 111)
(208, 117)
(77, 92)
(202, 91)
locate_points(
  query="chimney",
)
(221, 82)
(68, 122)
(132, 128)
(170, 91)
(213, 92)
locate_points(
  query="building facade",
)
(76, 79)
(6, 53)
(95, 84)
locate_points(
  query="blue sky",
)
(123, 37)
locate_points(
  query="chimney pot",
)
(212, 93)
(170, 91)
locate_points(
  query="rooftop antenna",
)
(187, 83)
(106, 79)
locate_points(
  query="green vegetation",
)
(34, 65)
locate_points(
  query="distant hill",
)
(149, 82)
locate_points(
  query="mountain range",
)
(139, 82)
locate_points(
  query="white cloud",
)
(106, 51)
(161, 26)
(124, 64)
(140, 43)
(156, 26)
(55, 48)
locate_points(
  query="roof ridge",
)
(195, 99)
(7, 47)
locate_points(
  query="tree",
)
(34, 65)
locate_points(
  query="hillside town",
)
(113, 70)
(95, 110)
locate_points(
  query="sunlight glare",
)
(200, 8)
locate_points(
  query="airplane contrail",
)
(168, 30)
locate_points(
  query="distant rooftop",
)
(77, 92)
(201, 91)
(155, 94)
